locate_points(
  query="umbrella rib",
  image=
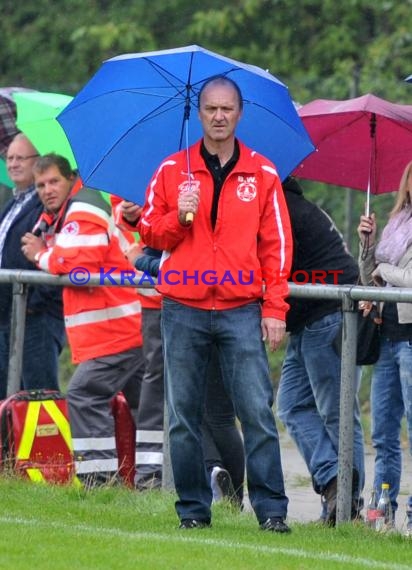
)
(125, 133)
(167, 75)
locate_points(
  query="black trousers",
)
(222, 441)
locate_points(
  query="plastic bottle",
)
(384, 516)
(372, 509)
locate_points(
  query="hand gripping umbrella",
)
(362, 143)
(139, 108)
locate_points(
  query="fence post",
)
(17, 324)
(347, 402)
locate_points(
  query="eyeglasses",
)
(19, 158)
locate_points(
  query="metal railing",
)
(348, 295)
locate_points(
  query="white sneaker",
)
(408, 530)
(221, 483)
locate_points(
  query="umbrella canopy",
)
(139, 108)
(36, 118)
(362, 143)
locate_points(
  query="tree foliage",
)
(319, 48)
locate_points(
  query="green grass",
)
(59, 528)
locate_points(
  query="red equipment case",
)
(35, 436)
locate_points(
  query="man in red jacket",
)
(222, 225)
(103, 324)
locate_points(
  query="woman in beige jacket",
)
(388, 262)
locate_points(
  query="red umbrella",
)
(362, 143)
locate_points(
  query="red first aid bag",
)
(35, 436)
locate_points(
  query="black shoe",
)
(193, 523)
(275, 524)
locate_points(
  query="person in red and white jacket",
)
(103, 324)
(150, 413)
(218, 212)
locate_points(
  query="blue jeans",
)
(391, 397)
(44, 338)
(188, 337)
(308, 402)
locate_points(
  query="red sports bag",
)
(35, 436)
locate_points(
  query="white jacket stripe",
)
(149, 458)
(124, 243)
(96, 465)
(100, 315)
(281, 232)
(68, 241)
(92, 443)
(84, 207)
(149, 436)
(148, 292)
(151, 192)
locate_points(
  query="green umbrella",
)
(36, 118)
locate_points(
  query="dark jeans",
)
(188, 337)
(43, 341)
(308, 401)
(222, 442)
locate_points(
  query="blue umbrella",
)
(139, 108)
